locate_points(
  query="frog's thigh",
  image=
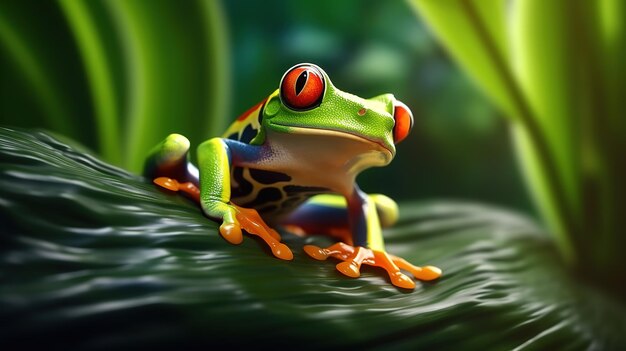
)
(386, 208)
(328, 214)
(169, 159)
(321, 214)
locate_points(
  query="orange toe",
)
(231, 232)
(275, 234)
(167, 183)
(429, 273)
(282, 251)
(253, 223)
(401, 280)
(349, 268)
(316, 252)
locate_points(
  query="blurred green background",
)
(117, 76)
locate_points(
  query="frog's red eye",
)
(302, 87)
(404, 122)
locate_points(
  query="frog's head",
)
(308, 103)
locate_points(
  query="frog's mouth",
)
(337, 133)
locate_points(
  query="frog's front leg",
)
(215, 158)
(367, 243)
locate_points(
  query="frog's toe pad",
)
(232, 233)
(349, 268)
(250, 221)
(316, 252)
(167, 183)
(401, 280)
(424, 273)
(429, 273)
(352, 258)
(282, 251)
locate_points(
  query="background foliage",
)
(117, 76)
(557, 70)
(120, 75)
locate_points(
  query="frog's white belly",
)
(294, 167)
(322, 158)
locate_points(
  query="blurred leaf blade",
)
(162, 97)
(543, 195)
(560, 77)
(56, 114)
(612, 42)
(474, 34)
(469, 30)
(613, 32)
(136, 50)
(548, 77)
(100, 77)
(560, 65)
(218, 68)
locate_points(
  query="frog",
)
(291, 162)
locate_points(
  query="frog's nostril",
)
(362, 111)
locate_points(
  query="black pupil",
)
(301, 82)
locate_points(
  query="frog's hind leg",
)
(169, 167)
(328, 214)
(321, 214)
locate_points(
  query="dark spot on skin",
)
(268, 177)
(264, 196)
(248, 134)
(297, 189)
(244, 187)
(301, 82)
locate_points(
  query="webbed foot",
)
(354, 257)
(250, 221)
(235, 219)
(173, 185)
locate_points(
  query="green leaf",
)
(474, 33)
(94, 257)
(613, 37)
(559, 76)
(94, 56)
(163, 99)
(545, 66)
(564, 60)
(120, 75)
(24, 57)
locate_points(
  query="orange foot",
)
(250, 221)
(353, 257)
(245, 218)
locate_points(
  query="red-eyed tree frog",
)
(292, 161)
